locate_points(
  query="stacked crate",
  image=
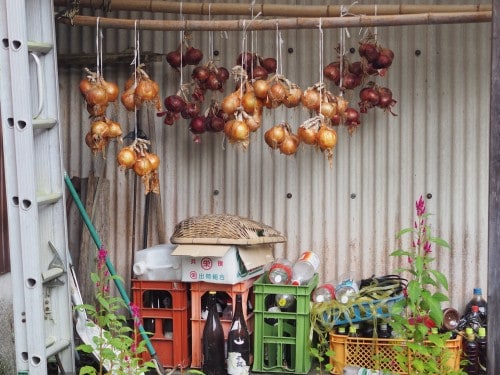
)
(281, 337)
(171, 332)
(198, 290)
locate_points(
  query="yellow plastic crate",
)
(377, 353)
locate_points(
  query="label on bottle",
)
(236, 364)
(309, 256)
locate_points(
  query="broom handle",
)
(109, 265)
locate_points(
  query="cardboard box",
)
(223, 264)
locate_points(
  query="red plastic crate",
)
(173, 348)
(198, 290)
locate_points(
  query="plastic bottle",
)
(341, 331)
(304, 268)
(478, 300)
(347, 290)
(483, 355)
(474, 319)
(383, 331)
(285, 301)
(213, 341)
(471, 352)
(324, 292)
(238, 343)
(353, 331)
(280, 271)
(227, 313)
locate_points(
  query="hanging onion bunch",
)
(256, 67)
(177, 106)
(317, 99)
(97, 92)
(376, 59)
(345, 75)
(102, 130)
(215, 118)
(145, 164)
(280, 137)
(375, 96)
(316, 132)
(208, 77)
(277, 90)
(140, 89)
(185, 54)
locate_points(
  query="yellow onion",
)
(99, 129)
(96, 95)
(307, 135)
(328, 109)
(311, 99)
(277, 92)
(126, 158)
(260, 88)
(114, 129)
(290, 144)
(154, 160)
(112, 90)
(146, 89)
(239, 131)
(293, 97)
(231, 103)
(326, 138)
(142, 166)
(275, 136)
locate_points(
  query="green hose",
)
(109, 265)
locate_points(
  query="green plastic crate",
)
(281, 339)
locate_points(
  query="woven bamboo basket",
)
(224, 229)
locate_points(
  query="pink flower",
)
(101, 257)
(420, 206)
(410, 260)
(427, 247)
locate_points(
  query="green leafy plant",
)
(115, 344)
(414, 316)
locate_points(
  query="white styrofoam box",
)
(157, 263)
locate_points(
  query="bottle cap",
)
(341, 329)
(481, 332)
(352, 329)
(469, 331)
(475, 308)
(140, 268)
(434, 330)
(477, 291)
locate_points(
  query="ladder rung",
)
(39, 47)
(56, 347)
(44, 123)
(44, 199)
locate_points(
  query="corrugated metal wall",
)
(436, 146)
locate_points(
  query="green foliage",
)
(116, 342)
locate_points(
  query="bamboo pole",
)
(276, 10)
(284, 23)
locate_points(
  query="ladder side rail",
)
(27, 206)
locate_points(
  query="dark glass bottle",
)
(471, 352)
(479, 301)
(213, 340)
(474, 319)
(238, 343)
(483, 355)
(383, 331)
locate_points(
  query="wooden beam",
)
(283, 23)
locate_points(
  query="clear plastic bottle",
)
(483, 355)
(471, 352)
(304, 268)
(280, 271)
(285, 302)
(347, 290)
(479, 301)
(324, 292)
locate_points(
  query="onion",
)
(216, 124)
(260, 88)
(153, 159)
(290, 144)
(350, 81)
(277, 92)
(259, 72)
(311, 99)
(270, 64)
(97, 109)
(99, 129)
(126, 157)
(356, 68)
(275, 136)
(213, 83)
(369, 51)
(384, 59)
(249, 102)
(328, 109)
(332, 72)
(142, 166)
(239, 131)
(114, 129)
(193, 56)
(146, 89)
(293, 96)
(369, 95)
(326, 138)
(191, 111)
(175, 103)
(174, 58)
(231, 103)
(96, 95)
(200, 74)
(128, 99)
(254, 121)
(112, 90)
(197, 125)
(307, 135)
(351, 116)
(246, 60)
(85, 85)
(342, 105)
(222, 74)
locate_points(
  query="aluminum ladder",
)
(29, 105)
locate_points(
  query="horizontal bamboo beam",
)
(275, 10)
(284, 23)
